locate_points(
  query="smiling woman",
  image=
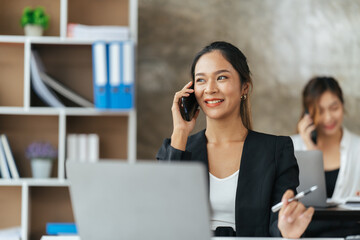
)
(234, 66)
(323, 113)
(323, 98)
(218, 93)
(249, 172)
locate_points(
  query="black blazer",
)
(268, 168)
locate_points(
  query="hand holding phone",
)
(183, 121)
(188, 106)
(313, 134)
(307, 131)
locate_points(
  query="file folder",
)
(127, 88)
(121, 74)
(100, 74)
(115, 73)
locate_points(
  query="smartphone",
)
(313, 134)
(188, 106)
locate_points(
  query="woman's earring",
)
(243, 97)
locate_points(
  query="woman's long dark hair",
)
(238, 60)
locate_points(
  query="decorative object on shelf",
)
(42, 155)
(34, 21)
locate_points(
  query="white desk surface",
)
(213, 238)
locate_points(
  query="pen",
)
(302, 194)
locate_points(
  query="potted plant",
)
(34, 21)
(42, 155)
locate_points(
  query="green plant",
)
(35, 16)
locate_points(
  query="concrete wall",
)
(286, 42)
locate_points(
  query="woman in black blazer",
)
(248, 171)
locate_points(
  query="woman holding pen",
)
(249, 172)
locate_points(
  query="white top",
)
(222, 200)
(348, 181)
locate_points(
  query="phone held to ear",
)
(188, 106)
(313, 134)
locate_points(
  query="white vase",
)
(33, 30)
(41, 167)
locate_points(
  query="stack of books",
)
(110, 33)
(61, 231)
(83, 147)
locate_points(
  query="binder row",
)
(113, 74)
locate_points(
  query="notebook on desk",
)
(145, 200)
(312, 173)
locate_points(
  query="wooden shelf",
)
(112, 131)
(70, 111)
(12, 74)
(71, 65)
(21, 131)
(46, 203)
(49, 182)
(109, 12)
(25, 118)
(10, 207)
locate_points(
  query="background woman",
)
(323, 99)
(248, 171)
(323, 112)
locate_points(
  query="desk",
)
(337, 213)
(268, 238)
(213, 238)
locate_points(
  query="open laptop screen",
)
(145, 200)
(312, 173)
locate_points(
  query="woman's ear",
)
(245, 89)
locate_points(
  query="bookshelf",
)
(27, 202)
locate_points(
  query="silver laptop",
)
(312, 173)
(143, 200)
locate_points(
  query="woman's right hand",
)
(294, 217)
(182, 128)
(305, 127)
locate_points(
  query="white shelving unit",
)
(28, 202)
